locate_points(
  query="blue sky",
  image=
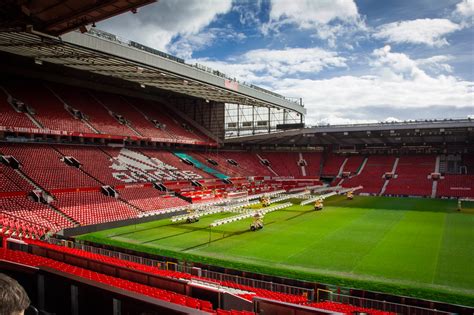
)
(350, 60)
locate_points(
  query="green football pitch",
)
(409, 246)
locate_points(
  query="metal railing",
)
(326, 295)
(212, 275)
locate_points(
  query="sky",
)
(351, 61)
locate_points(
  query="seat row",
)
(36, 261)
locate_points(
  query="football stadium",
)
(135, 182)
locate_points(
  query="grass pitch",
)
(409, 246)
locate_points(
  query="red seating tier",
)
(284, 163)
(347, 308)
(11, 118)
(36, 261)
(91, 207)
(313, 161)
(149, 198)
(371, 177)
(50, 111)
(43, 164)
(412, 176)
(456, 186)
(332, 165)
(249, 162)
(173, 126)
(98, 116)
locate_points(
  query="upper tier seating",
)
(284, 163)
(149, 198)
(412, 176)
(43, 164)
(250, 162)
(91, 207)
(456, 186)
(223, 166)
(353, 164)
(332, 164)
(98, 116)
(181, 169)
(50, 111)
(172, 125)
(313, 161)
(120, 105)
(371, 177)
(11, 181)
(468, 161)
(11, 118)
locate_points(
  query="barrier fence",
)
(327, 295)
(319, 296)
(213, 275)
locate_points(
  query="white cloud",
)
(394, 84)
(310, 13)
(185, 45)
(157, 24)
(430, 32)
(261, 65)
(465, 8)
(328, 18)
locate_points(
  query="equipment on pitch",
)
(257, 223)
(318, 205)
(250, 214)
(350, 195)
(265, 201)
(192, 216)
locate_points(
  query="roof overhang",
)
(56, 17)
(441, 131)
(117, 59)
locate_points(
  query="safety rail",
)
(327, 295)
(212, 275)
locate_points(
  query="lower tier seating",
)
(456, 186)
(347, 309)
(91, 207)
(149, 198)
(36, 261)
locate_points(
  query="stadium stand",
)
(222, 166)
(46, 168)
(176, 128)
(456, 186)
(10, 117)
(284, 163)
(149, 198)
(332, 165)
(412, 176)
(250, 162)
(347, 308)
(353, 164)
(35, 261)
(91, 207)
(97, 115)
(371, 176)
(50, 112)
(313, 163)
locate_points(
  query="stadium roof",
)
(395, 133)
(105, 54)
(56, 17)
